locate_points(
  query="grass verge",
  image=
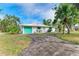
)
(73, 37)
(13, 44)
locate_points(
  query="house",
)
(76, 27)
(34, 28)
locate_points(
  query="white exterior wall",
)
(22, 29)
(34, 29)
(43, 30)
(53, 29)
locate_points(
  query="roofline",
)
(30, 25)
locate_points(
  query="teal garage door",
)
(27, 30)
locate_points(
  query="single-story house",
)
(34, 28)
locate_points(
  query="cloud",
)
(30, 12)
(29, 8)
(43, 10)
(1, 16)
(31, 21)
(49, 14)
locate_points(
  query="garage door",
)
(27, 30)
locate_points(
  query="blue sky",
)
(28, 12)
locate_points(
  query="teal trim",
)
(27, 30)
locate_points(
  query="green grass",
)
(73, 37)
(13, 44)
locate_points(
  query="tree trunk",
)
(68, 29)
(67, 25)
(63, 28)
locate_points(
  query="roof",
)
(34, 25)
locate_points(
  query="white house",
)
(34, 28)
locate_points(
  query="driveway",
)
(48, 45)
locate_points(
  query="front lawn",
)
(73, 37)
(13, 44)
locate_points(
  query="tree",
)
(65, 15)
(45, 22)
(10, 24)
(49, 23)
(0, 20)
(0, 24)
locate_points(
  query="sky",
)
(29, 13)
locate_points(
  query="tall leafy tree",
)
(0, 20)
(10, 24)
(65, 15)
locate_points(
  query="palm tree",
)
(65, 15)
(49, 23)
(45, 22)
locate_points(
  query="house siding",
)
(35, 29)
